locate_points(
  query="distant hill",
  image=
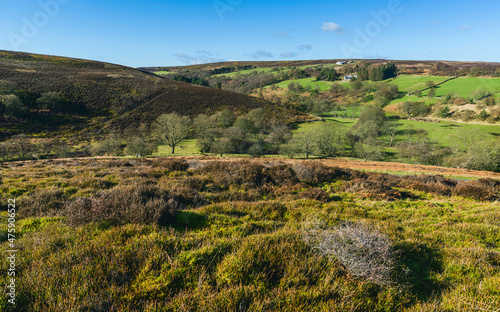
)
(98, 97)
(465, 91)
(405, 67)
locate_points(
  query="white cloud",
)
(289, 54)
(304, 47)
(466, 27)
(260, 54)
(283, 35)
(201, 57)
(333, 27)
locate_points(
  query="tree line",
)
(257, 133)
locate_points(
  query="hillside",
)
(212, 234)
(466, 90)
(95, 98)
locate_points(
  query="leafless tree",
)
(172, 129)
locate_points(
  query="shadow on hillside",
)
(424, 263)
(186, 220)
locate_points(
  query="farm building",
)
(350, 77)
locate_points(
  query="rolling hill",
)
(99, 97)
(467, 89)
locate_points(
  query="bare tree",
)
(305, 143)
(463, 139)
(172, 129)
(22, 146)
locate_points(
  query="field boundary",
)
(436, 85)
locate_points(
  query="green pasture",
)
(439, 132)
(414, 82)
(464, 86)
(246, 72)
(309, 82)
(186, 148)
(162, 72)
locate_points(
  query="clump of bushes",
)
(475, 190)
(42, 203)
(318, 172)
(140, 204)
(362, 250)
(171, 164)
(371, 189)
(248, 174)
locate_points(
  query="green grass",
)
(414, 82)
(464, 86)
(186, 148)
(439, 132)
(246, 72)
(270, 70)
(308, 126)
(162, 72)
(243, 249)
(311, 82)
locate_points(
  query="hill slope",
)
(99, 96)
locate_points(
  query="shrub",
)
(362, 250)
(282, 175)
(171, 164)
(42, 203)
(474, 190)
(249, 174)
(371, 189)
(317, 172)
(141, 204)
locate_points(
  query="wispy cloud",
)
(260, 54)
(282, 35)
(375, 57)
(289, 54)
(466, 27)
(333, 27)
(201, 57)
(304, 47)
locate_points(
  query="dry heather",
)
(205, 234)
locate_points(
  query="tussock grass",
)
(233, 241)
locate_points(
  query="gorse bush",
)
(363, 251)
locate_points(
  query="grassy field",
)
(162, 72)
(439, 132)
(246, 72)
(464, 86)
(186, 148)
(406, 82)
(270, 70)
(234, 238)
(309, 82)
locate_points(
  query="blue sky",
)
(157, 32)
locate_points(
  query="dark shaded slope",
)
(106, 95)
